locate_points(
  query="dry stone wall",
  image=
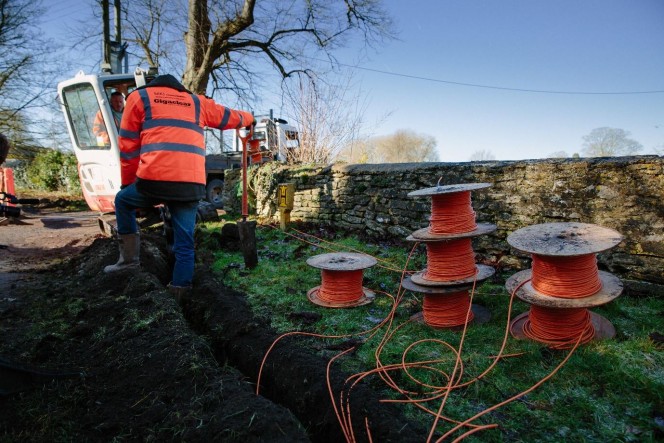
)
(622, 193)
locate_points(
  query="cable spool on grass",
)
(450, 257)
(446, 307)
(341, 280)
(563, 283)
(445, 267)
(451, 269)
(451, 211)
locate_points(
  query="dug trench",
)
(96, 357)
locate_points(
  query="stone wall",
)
(623, 193)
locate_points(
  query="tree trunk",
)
(206, 45)
(196, 75)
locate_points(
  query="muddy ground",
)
(86, 356)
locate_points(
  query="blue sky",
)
(580, 51)
(557, 46)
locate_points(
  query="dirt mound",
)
(87, 356)
(118, 360)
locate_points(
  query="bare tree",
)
(482, 155)
(404, 146)
(154, 28)
(227, 41)
(609, 142)
(328, 119)
(26, 70)
(558, 154)
(360, 151)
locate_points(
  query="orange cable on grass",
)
(566, 277)
(342, 409)
(311, 334)
(450, 260)
(383, 370)
(452, 213)
(343, 412)
(453, 381)
(371, 332)
(511, 399)
(456, 376)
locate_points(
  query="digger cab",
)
(93, 128)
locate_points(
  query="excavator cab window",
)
(82, 108)
(124, 87)
(259, 135)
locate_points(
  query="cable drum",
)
(341, 280)
(563, 282)
(451, 271)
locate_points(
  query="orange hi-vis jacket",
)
(99, 128)
(162, 145)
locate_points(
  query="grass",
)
(610, 390)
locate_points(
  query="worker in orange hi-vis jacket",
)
(98, 126)
(162, 155)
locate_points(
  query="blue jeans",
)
(183, 219)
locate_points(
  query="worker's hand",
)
(252, 125)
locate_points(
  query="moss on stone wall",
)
(622, 193)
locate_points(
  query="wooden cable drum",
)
(450, 262)
(450, 256)
(563, 282)
(451, 209)
(341, 280)
(446, 307)
(451, 269)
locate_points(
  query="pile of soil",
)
(86, 356)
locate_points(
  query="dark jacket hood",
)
(168, 81)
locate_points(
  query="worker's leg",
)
(183, 219)
(126, 203)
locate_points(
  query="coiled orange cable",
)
(452, 213)
(450, 260)
(454, 380)
(566, 277)
(447, 311)
(340, 286)
(560, 328)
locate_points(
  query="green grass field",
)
(607, 391)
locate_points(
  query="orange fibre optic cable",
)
(452, 213)
(340, 286)
(565, 276)
(450, 260)
(445, 311)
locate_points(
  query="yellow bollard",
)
(285, 199)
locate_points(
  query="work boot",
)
(179, 292)
(130, 248)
